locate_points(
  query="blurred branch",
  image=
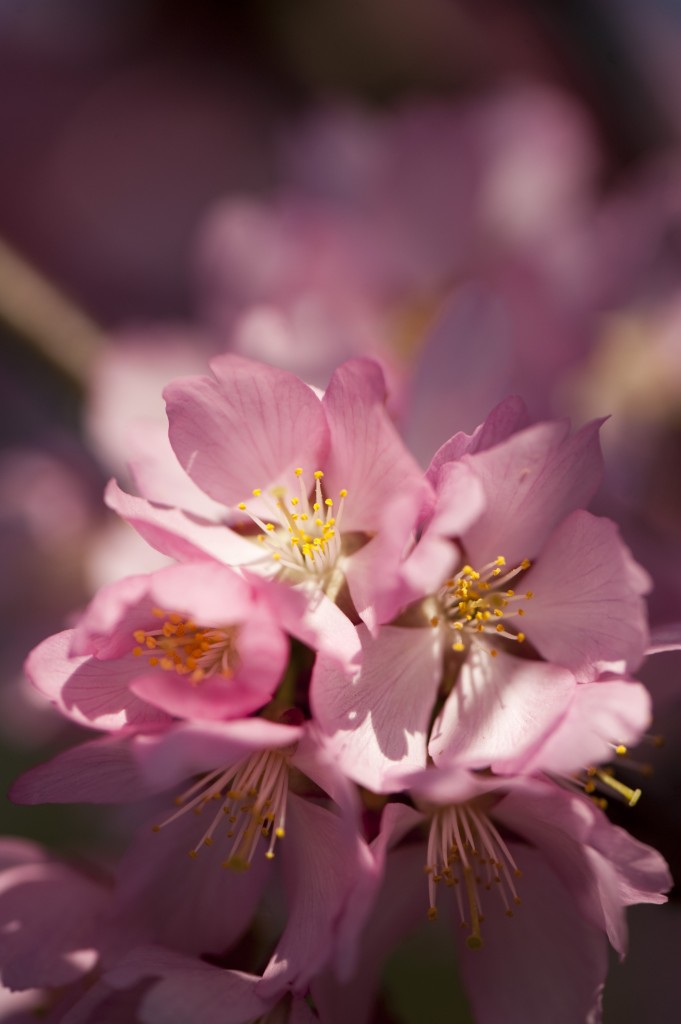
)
(45, 318)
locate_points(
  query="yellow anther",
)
(151, 642)
(242, 506)
(458, 646)
(295, 501)
(520, 637)
(318, 474)
(525, 564)
(328, 501)
(256, 492)
(158, 613)
(435, 621)
(493, 653)
(521, 611)
(269, 526)
(510, 593)
(343, 492)
(500, 560)
(139, 636)
(299, 471)
(316, 507)
(500, 628)
(620, 749)
(137, 651)
(432, 913)
(529, 595)
(153, 662)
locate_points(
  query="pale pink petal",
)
(249, 428)
(326, 867)
(188, 990)
(604, 868)
(309, 615)
(600, 716)
(91, 692)
(544, 964)
(192, 904)
(379, 720)
(587, 605)
(101, 771)
(499, 707)
(367, 457)
(400, 906)
(531, 482)
(160, 478)
(167, 758)
(374, 573)
(48, 925)
(181, 535)
(460, 501)
(505, 419)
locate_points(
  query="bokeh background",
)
(484, 195)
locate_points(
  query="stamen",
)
(252, 799)
(473, 599)
(464, 846)
(194, 652)
(301, 535)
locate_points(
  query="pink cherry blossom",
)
(189, 641)
(249, 784)
(332, 494)
(529, 850)
(502, 640)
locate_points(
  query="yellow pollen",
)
(318, 474)
(242, 506)
(256, 492)
(343, 492)
(299, 471)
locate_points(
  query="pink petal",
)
(367, 456)
(587, 606)
(160, 478)
(460, 500)
(499, 707)
(178, 535)
(249, 428)
(327, 867)
(600, 715)
(379, 720)
(531, 481)
(545, 964)
(101, 771)
(400, 906)
(309, 615)
(91, 692)
(507, 418)
(48, 925)
(167, 758)
(193, 905)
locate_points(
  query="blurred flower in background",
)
(484, 197)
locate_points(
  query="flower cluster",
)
(349, 671)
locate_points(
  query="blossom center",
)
(301, 533)
(251, 798)
(477, 604)
(466, 852)
(180, 646)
